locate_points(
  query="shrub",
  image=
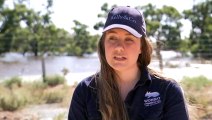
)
(33, 91)
(38, 85)
(53, 96)
(13, 81)
(12, 102)
(68, 95)
(60, 116)
(55, 80)
(198, 93)
(196, 83)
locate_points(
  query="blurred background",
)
(47, 47)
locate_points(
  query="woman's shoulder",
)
(163, 79)
(159, 78)
(165, 83)
(86, 83)
(84, 89)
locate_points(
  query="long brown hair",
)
(111, 105)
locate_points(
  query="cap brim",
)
(129, 29)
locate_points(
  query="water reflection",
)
(54, 65)
(29, 68)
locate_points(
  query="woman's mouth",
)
(120, 58)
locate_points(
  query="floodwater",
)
(29, 67)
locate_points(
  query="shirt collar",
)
(91, 81)
(145, 78)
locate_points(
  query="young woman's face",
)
(121, 49)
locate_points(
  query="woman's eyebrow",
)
(111, 31)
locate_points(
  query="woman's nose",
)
(119, 46)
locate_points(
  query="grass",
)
(12, 101)
(15, 94)
(54, 95)
(14, 81)
(60, 116)
(196, 83)
(55, 80)
(198, 92)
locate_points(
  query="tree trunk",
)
(43, 68)
(158, 54)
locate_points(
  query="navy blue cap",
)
(127, 18)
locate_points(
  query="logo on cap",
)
(125, 17)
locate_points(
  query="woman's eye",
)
(129, 40)
(112, 39)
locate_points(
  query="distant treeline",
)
(22, 29)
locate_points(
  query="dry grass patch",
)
(16, 95)
(198, 92)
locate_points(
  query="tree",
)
(24, 30)
(103, 15)
(163, 24)
(83, 41)
(171, 27)
(201, 38)
(11, 19)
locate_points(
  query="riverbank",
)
(37, 112)
(35, 100)
(58, 110)
(29, 70)
(176, 73)
(29, 67)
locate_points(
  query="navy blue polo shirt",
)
(152, 98)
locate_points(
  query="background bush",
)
(12, 102)
(196, 83)
(15, 94)
(198, 92)
(14, 81)
(54, 80)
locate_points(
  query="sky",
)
(85, 11)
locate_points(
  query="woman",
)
(125, 88)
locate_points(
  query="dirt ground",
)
(17, 116)
(36, 112)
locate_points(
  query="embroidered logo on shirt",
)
(152, 98)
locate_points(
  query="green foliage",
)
(105, 9)
(24, 30)
(35, 92)
(12, 102)
(200, 36)
(55, 80)
(198, 93)
(83, 41)
(14, 81)
(163, 24)
(184, 45)
(53, 96)
(60, 116)
(36, 85)
(196, 83)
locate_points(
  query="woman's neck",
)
(126, 80)
(128, 76)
